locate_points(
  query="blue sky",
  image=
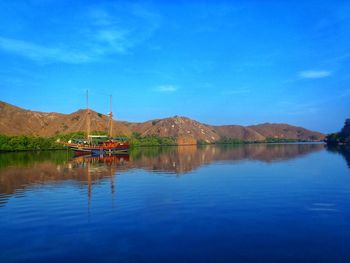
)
(234, 62)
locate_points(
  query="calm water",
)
(252, 203)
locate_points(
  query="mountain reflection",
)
(21, 170)
(183, 159)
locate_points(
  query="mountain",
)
(285, 131)
(18, 121)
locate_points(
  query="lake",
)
(244, 203)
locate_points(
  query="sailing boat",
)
(97, 144)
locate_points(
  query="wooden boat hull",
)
(96, 150)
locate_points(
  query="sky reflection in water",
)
(249, 203)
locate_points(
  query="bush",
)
(229, 141)
(22, 143)
(279, 140)
(336, 138)
(150, 140)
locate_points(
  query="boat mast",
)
(110, 124)
(87, 117)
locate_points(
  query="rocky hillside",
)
(285, 131)
(178, 127)
(238, 132)
(18, 121)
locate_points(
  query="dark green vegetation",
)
(25, 143)
(342, 137)
(150, 140)
(282, 140)
(230, 141)
(22, 143)
(337, 138)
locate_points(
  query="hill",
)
(18, 121)
(342, 137)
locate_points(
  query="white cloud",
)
(167, 88)
(112, 41)
(314, 74)
(41, 53)
(103, 43)
(104, 33)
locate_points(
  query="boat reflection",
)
(19, 171)
(81, 161)
(97, 166)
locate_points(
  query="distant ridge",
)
(18, 121)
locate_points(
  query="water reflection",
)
(184, 159)
(249, 203)
(344, 150)
(21, 170)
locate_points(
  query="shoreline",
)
(176, 145)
